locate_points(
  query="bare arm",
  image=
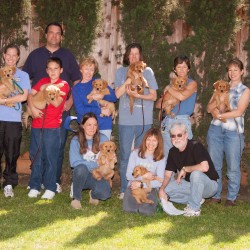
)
(183, 95)
(152, 96)
(121, 90)
(15, 99)
(167, 177)
(203, 167)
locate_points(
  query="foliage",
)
(209, 44)
(79, 18)
(13, 16)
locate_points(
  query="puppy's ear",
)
(93, 83)
(216, 84)
(104, 84)
(144, 65)
(13, 70)
(227, 86)
(101, 146)
(114, 146)
(143, 170)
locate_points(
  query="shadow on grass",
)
(21, 214)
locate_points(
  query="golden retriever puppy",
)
(168, 101)
(110, 106)
(46, 94)
(6, 85)
(106, 162)
(140, 194)
(138, 82)
(221, 96)
(100, 86)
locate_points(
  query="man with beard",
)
(196, 178)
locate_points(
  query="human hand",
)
(97, 97)
(68, 104)
(181, 175)
(105, 111)
(149, 176)
(162, 194)
(135, 185)
(36, 113)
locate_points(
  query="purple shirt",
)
(35, 65)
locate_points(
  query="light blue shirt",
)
(141, 107)
(13, 114)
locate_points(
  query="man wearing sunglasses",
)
(196, 178)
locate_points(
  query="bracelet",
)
(141, 184)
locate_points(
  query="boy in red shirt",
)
(45, 133)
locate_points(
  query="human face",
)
(53, 36)
(54, 71)
(11, 57)
(235, 73)
(179, 138)
(90, 127)
(181, 69)
(134, 55)
(88, 71)
(151, 144)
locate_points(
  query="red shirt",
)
(53, 116)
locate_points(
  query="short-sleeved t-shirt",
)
(193, 154)
(143, 109)
(53, 115)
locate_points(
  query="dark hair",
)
(236, 62)
(180, 60)
(82, 137)
(54, 24)
(56, 60)
(158, 154)
(127, 52)
(12, 46)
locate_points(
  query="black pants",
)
(10, 141)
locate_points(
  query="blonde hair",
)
(89, 61)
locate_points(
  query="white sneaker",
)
(58, 188)
(49, 195)
(202, 201)
(33, 193)
(8, 191)
(71, 191)
(189, 212)
(120, 196)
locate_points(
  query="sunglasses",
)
(174, 136)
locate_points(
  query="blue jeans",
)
(165, 128)
(191, 193)
(45, 159)
(127, 134)
(231, 143)
(63, 134)
(83, 179)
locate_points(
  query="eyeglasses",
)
(174, 136)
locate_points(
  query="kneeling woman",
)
(149, 155)
(84, 148)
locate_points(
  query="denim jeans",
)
(191, 193)
(165, 128)
(63, 134)
(44, 152)
(83, 179)
(231, 143)
(127, 134)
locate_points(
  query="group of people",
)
(189, 172)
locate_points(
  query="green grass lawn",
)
(36, 224)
